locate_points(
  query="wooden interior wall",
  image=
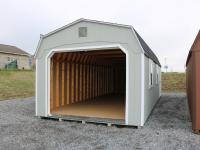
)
(119, 77)
(78, 77)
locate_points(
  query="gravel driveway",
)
(167, 128)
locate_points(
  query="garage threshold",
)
(91, 120)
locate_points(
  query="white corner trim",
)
(137, 39)
(142, 77)
(38, 46)
(127, 87)
(86, 48)
(142, 89)
(36, 85)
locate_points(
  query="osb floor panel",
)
(112, 107)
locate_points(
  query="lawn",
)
(19, 84)
(173, 82)
(16, 84)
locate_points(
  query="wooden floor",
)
(112, 107)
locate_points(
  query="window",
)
(82, 31)
(157, 74)
(150, 73)
(157, 79)
(30, 62)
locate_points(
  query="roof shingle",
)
(147, 50)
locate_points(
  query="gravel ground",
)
(167, 128)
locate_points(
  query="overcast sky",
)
(168, 26)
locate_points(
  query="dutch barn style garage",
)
(96, 70)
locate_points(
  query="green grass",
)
(173, 82)
(16, 84)
(20, 84)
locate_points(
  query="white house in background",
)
(98, 70)
(12, 54)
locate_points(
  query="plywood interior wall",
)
(81, 76)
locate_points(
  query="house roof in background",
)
(12, 50)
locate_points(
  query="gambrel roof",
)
(147, 50)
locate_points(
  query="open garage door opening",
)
(88, 84)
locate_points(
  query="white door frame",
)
(76, 49)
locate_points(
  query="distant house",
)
(14, 57)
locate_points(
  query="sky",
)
(169, 27)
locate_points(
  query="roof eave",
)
(190, 52)
(15, 53)
(134, 33)
(158, 62)
(38, 46)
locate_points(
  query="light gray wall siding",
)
(151, 95)
(40, 87)
(97, 33)
(135, 83)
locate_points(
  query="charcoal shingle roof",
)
(147, 50)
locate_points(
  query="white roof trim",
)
(86, 20)
(38, 46)
(137, 39)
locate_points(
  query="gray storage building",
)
(96, 69)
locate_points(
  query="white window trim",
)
(151, 84)
(157, 75)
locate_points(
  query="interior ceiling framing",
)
(98, 56)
